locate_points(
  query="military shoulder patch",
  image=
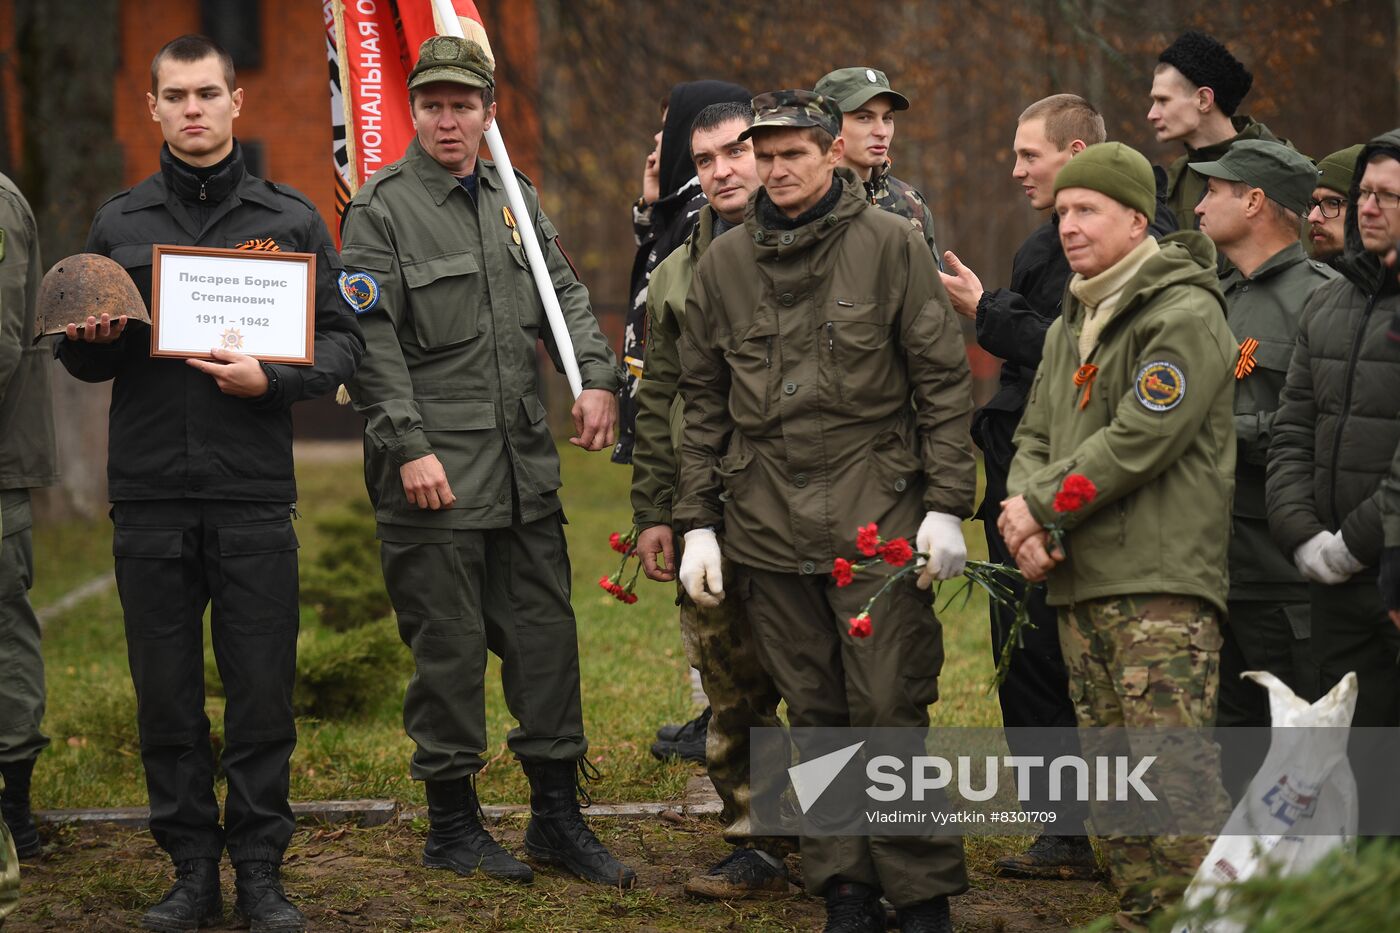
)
(360, 291)
(1160, 386)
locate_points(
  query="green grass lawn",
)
(633, 669)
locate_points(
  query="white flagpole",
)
(447, 20)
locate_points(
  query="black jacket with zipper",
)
(172, 433)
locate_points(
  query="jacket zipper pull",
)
(831, 337)
(768, 353)
(202, 195)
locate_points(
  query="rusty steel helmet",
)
(83, 286)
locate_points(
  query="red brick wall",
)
(286, 102)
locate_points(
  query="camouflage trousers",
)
(9, 872)
(1143, 662)
(719, 643)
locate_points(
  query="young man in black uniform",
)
(200, 474)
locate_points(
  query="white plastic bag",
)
(1299, 807)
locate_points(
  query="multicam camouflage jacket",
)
(890, 194)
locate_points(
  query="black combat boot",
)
(195, 899)
(261, 902)
(1064, 858)
(929, 916)
(557, 834)
(686, 741)
(457, 839)
(852, 907)
(14, 807)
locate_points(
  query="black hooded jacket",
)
(668, 224)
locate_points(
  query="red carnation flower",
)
(860, 626)
(616, 542)
(897, 553)
(868, 539)
(1076, 492)
(606, 583)
(843, 572)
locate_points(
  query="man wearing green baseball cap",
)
(1256, 194)
(463, 473)
(825, 386)
(1327, 211)
(1131, 395)
(868, 105)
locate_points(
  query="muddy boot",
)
(261, 902)
(1062, 858)
(852, 907)
(743, 873)
(195, 900)
(688, 741)
(14, 807)
(557, 834)
(458, 840)
(931, 916)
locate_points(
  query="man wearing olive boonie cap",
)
(868, 105)
(462, 469)
(1256, 194)
(825, 386)
(1132, 395)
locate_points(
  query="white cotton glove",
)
(700, 573)
(940, 536)
(1311, 562)
(1339, 559)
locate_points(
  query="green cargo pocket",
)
(444, 294)
(896, 466)
(537, 459)
(463, 435)
(733, 470)
(258, 567)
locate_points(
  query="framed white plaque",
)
(259, 303)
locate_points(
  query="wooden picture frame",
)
(261, 303)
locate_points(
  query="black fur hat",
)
(1207, 63)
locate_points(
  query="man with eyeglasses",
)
(1334, 435)
(1255, 196)
(1328, 207)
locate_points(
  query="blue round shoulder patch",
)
(1161, 386)
(360, 291)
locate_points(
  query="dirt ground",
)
(100, 877)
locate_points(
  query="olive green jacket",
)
(450, 343)
(1157, 436)
(1267, 307)
(825, 385)
(1185, 188)
(27, 455)
(659, 411)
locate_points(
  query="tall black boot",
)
(195, 899)
(261, 901)
(457, 839)
(14, 807)
(557, 834)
